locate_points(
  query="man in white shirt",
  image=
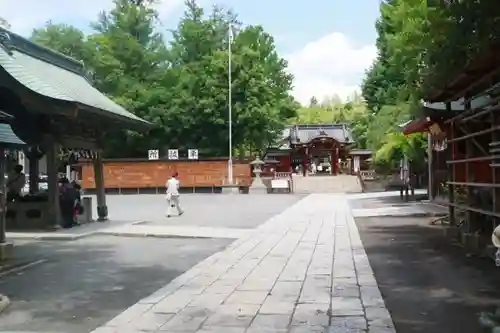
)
(15, 183)
(172, 196)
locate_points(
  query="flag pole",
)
(230, 110)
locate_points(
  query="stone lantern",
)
(257, 184)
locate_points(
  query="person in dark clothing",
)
(78, 201)
(15, 183)
(67, 199)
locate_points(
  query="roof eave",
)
(135, 124)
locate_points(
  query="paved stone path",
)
(304, 270)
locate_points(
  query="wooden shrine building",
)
(51, 103)
(329, 144)
(464, 141)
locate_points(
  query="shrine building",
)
(329, 146)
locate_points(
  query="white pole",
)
(230, 111)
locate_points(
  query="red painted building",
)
(327, 145)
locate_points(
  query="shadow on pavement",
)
(428, 285)
(85, 283)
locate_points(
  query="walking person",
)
(172, 195)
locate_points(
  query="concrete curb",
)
(154, 235)
(4, 302)
(423, 214)
(19, 235)
(53, 237)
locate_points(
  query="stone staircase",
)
(326, 184)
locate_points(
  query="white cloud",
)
(330, 65)
(24, 15)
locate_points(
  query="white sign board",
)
(279, 183)
(153, 154)
(173, 154)
(193, 154)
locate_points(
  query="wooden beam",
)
(451, 173)
(462, 91)
(474, 141)
(78, 143)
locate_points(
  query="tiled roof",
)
(301, 134)
(8, 138)
(56, 76)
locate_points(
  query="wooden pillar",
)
(33, 172)
(430, 166)
(451, 171)
(54, 211)
(102, 208)
(5, 247)
(335, 160)
(356, 166)
(495, 165)
(305, 161)
(3, 195)
(469, 172)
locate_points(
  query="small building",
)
(50, 104)
(328, 146)
(464, 140)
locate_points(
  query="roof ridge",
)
(43, 53)
(324, 126)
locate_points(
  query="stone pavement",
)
(304, 270)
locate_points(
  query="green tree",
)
(261, 100)
(313, 102)
(65, 39)
(129, 62)
(333, 110)
(392, 86)
(4, 23)
(183, 87)
(396, 145)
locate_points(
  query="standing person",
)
(67, 201)
(15, 183)
(172, 196)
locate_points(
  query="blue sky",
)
(329, 44)
(297, 24)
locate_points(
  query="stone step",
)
(327, 184)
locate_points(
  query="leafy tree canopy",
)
(4, 23)
(333, 110)
(422, 45)
(183, 86)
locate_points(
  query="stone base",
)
(230, 189)
(102, 213)
(4, 302)
(257, 190)
(6, 250)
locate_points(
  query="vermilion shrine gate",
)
(330, 144)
